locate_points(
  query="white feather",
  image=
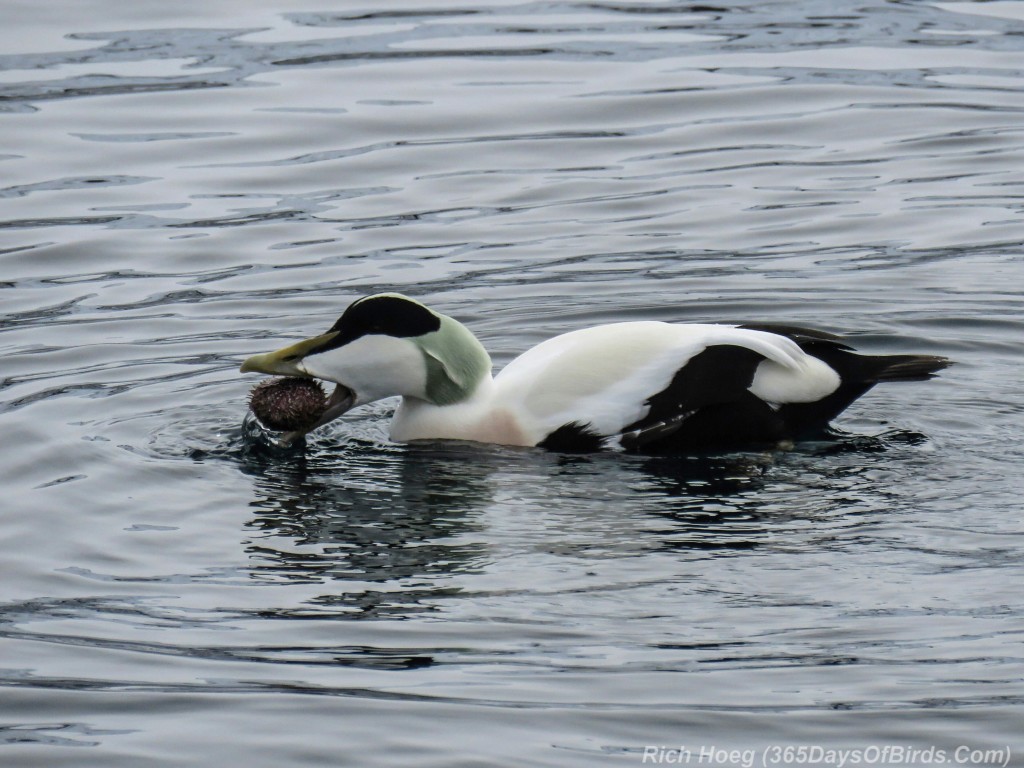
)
(602, 376)
(810, 381)
(374, 367)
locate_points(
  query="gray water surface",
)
(185, 184)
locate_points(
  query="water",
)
(186, 184)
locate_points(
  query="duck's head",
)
(385, 345)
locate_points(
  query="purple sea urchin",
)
(288, 404)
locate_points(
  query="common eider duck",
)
(643, 386)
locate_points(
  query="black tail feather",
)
(857, 374)
(903, 367)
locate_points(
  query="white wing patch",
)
(812, 381)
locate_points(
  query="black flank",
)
(573, 438)
(384, 315)
(707, 406)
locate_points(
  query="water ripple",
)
(184, 189)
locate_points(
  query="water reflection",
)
(412, 517)
(715, 503)
(363, 512)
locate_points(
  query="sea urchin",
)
(288, 404)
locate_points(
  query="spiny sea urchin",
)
(288, 404)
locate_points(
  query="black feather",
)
(573, 438)
(384, 315)
(857, 374)
(707, 405)
(805, 337)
